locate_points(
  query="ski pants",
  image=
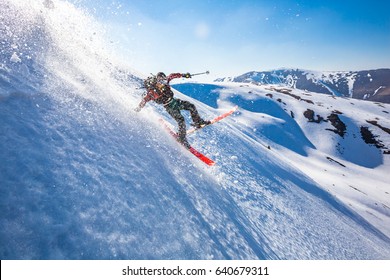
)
(174, 108)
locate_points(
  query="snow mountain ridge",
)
(82, 176)
(372, 85)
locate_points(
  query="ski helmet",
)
(161, 76)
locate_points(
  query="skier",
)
(159, 90)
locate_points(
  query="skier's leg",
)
(175, 113)
(198, 121)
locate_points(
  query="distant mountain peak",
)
(372, 85)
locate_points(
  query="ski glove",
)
(186, 75)
(137, 109)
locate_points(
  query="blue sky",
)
(233, 37)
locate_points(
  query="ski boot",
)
(201, 124)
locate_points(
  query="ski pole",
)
(207, 72)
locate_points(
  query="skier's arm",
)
(143, 102)
(178, 75)
(140, 106)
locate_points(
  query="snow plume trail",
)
(61, 49)
(66, 104)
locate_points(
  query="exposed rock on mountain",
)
(372, 85)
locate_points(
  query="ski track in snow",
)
(82, 176)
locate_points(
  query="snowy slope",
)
(346, 166)
(82, 176)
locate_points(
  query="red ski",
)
(216, 119)
(193, 151)
(202, 157)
